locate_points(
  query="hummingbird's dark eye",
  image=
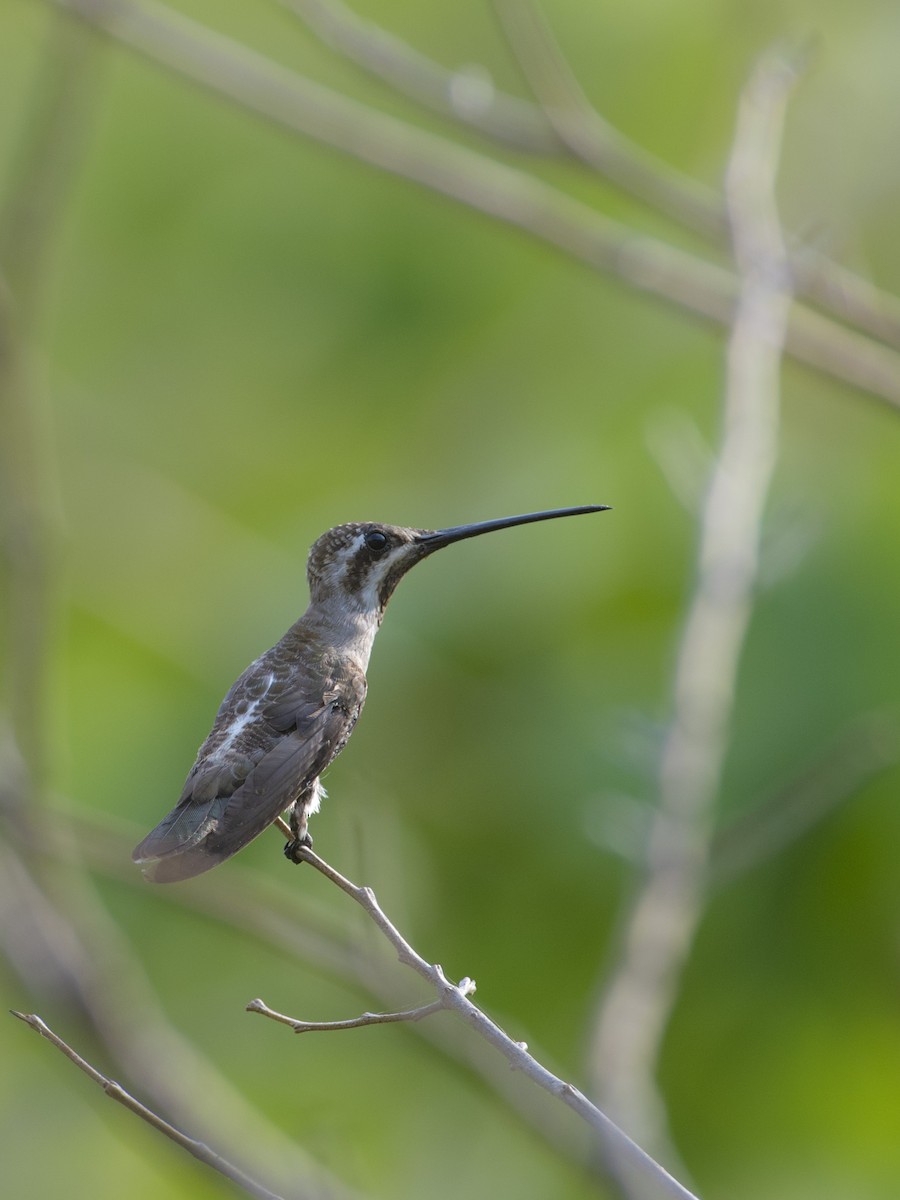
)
(376, 540)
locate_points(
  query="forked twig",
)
(462, 95)
(654, 1179)
(590, 137)
(479, 181)
(607, 151)
(564, 122)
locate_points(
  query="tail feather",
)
(179, 865)
(175, 848)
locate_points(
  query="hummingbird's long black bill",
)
(435, 539)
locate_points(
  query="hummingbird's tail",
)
(176, 849)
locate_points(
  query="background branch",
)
(590, 137)
(637, 1000)
(465, 95)
(603, 148)
(54, 930)
(41, 180)
(491, 187)
(566, 122)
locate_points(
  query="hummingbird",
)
(290, 714)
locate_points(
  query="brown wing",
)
(231, 796)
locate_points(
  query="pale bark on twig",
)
(407, 1015)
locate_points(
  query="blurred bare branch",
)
(590, 137)
(635, 1005)
(566, 122)
(116, 1092)
(50, 149)
(54, 132)
(479, 181)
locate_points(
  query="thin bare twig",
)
(366, 1018)
(478, 181)
(635, 1006)
(654, 1179)
(115, 1091)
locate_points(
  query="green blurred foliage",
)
(249, 339)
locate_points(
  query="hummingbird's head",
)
(356, 567)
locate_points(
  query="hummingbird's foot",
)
(293, 848)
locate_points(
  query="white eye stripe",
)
(349, 552)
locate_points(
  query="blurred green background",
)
(247, 339)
